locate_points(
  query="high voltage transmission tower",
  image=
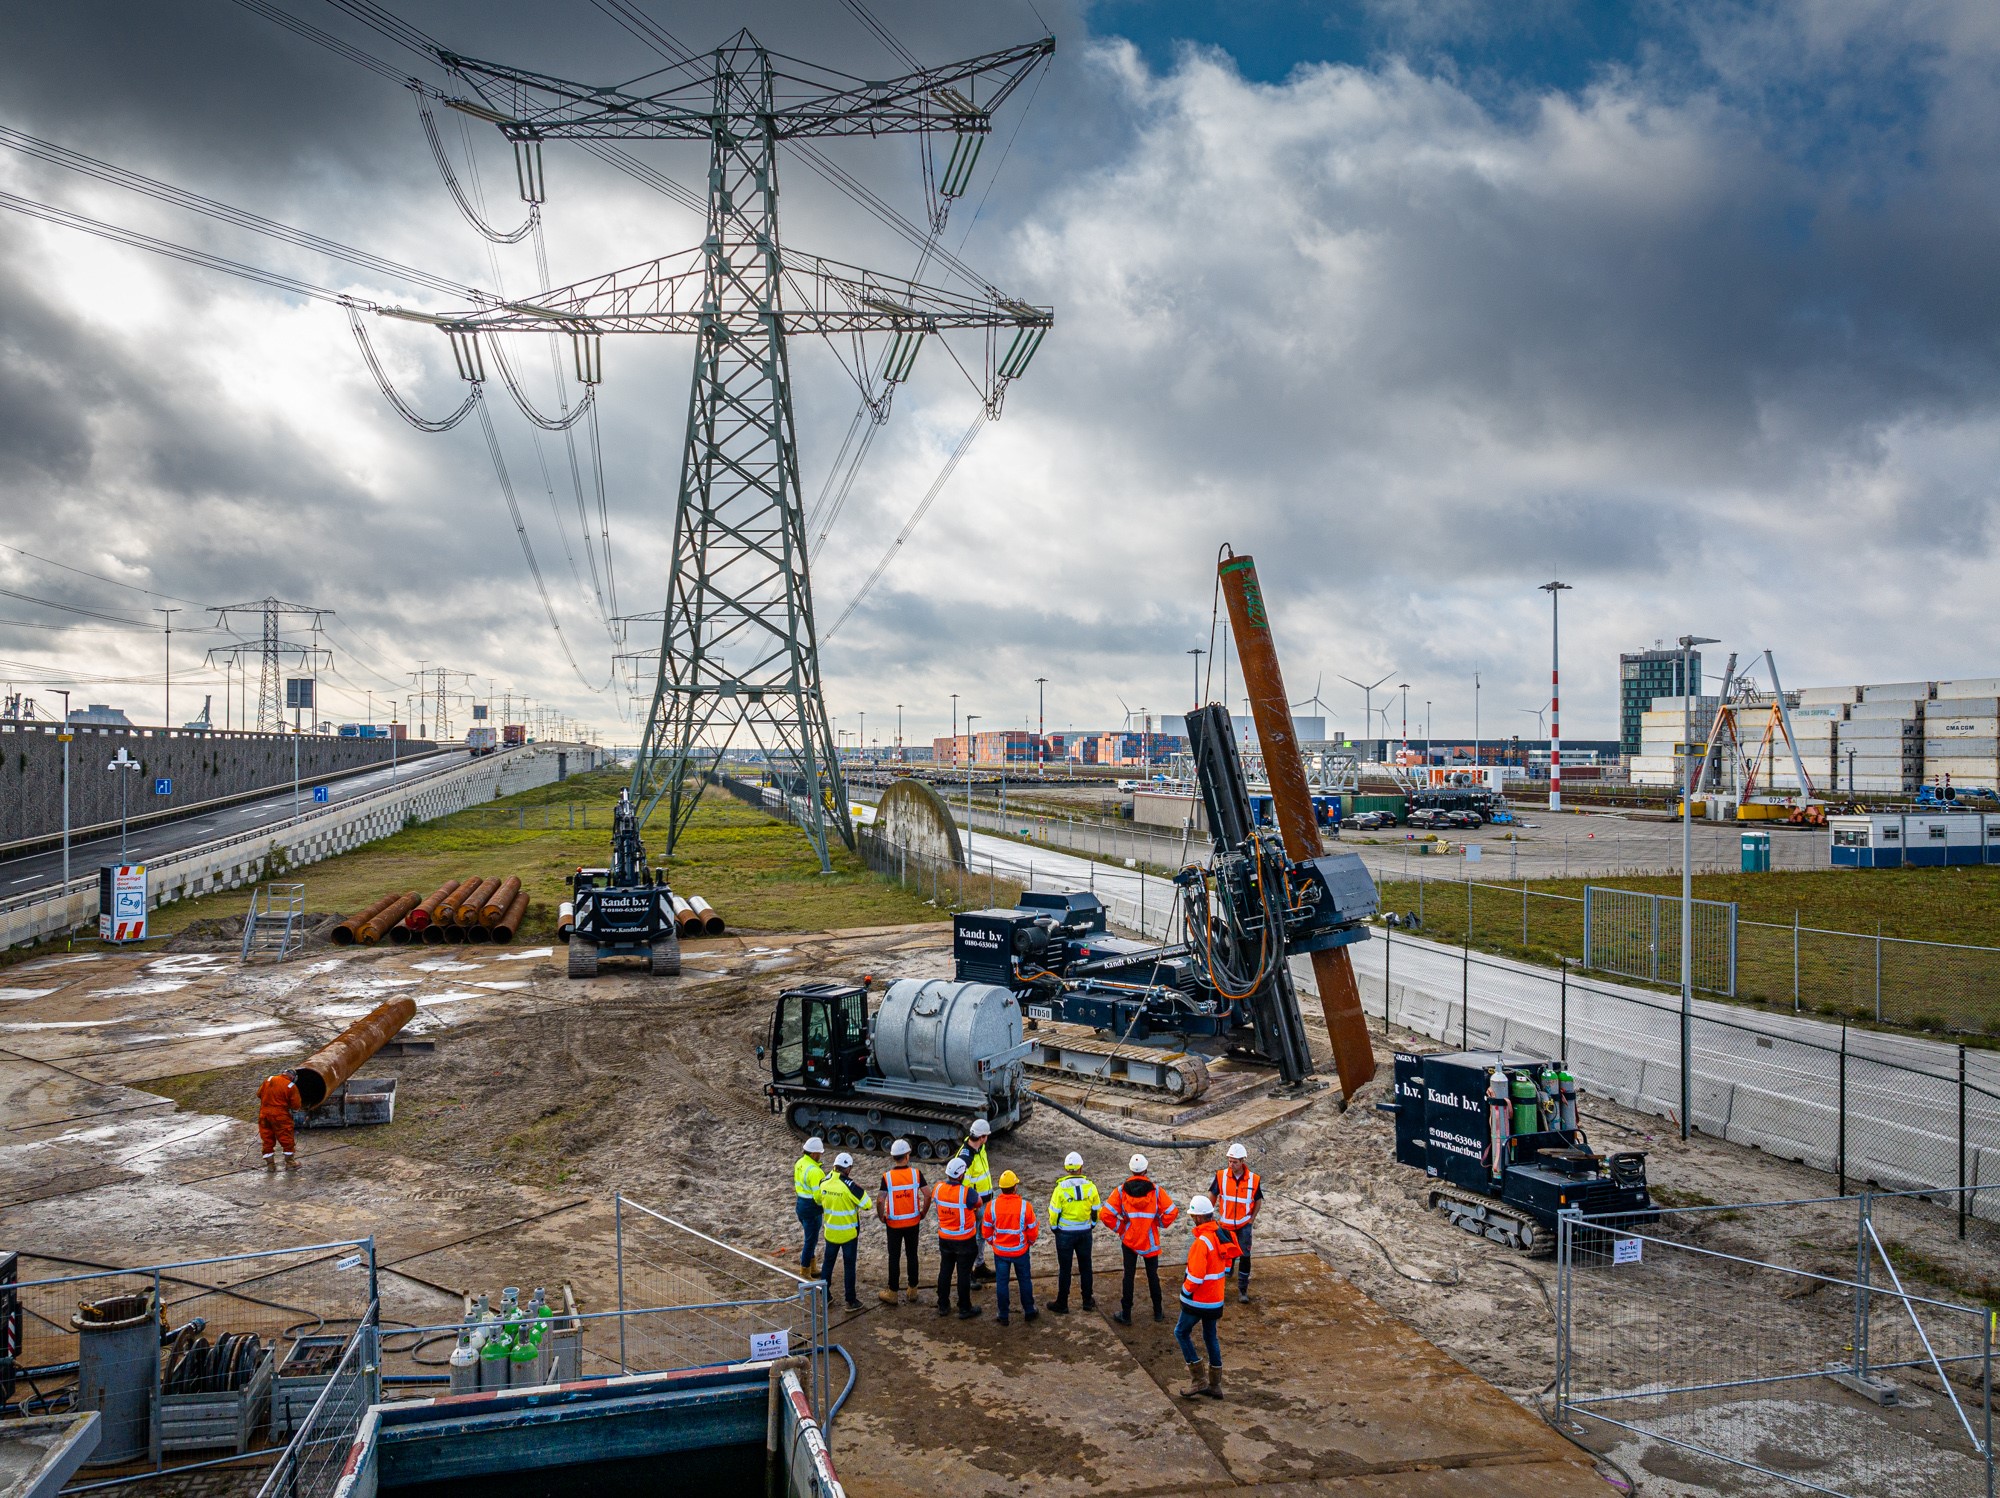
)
(739, 649)
(269, 650)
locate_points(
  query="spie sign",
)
(121, 902)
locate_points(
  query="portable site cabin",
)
(1897, 839)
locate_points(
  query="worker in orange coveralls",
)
(275, 1101)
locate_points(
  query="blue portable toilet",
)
(1756, 852)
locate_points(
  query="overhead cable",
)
(883, 35)
(166, 192)
(916, 516)
(547, 423)
(71, 608)
(403, 407)
(325, 39)
(471, 214)
(100, 577)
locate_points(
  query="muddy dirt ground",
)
(541, 1091)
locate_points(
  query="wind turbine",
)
(1541, 716)
(1314, 700)
(1368, 701)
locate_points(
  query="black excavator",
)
(626, 910)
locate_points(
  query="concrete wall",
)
(270, 853)
(202, 766)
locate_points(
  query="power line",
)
(100, 577)
(71, 608)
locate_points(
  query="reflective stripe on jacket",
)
(1138, 1216)
(978, 1175)
(902, 1196)
(1208, 1261)
(278, 1097)
(1074, 1205)
(957, 1220)
(1010, 1225)
(843, 1207)
(806, 1176)
(1235, 1201)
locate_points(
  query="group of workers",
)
(975, 1213)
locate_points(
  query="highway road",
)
(35, 872)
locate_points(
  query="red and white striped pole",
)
(1555, 592)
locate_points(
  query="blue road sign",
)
(322, 794)
(163, 787)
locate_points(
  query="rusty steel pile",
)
(472, 909)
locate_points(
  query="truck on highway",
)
(479, 741)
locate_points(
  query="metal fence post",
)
(1986, 1393)
(618, 1239)
(1795, 959)
(1863, 1262)
(1730, 992)
(1562, 1043)
(1586, 926)
(1840, 1154)
(153, 1434)
(1656, 939)
(1878, 972)
(1465, 988)
(1524, 916)
(1961, 1143)
(1389, 946)
(374, 1280)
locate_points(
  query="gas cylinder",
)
(1496, 1124)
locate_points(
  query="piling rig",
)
(625, 910)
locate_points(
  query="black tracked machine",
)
(1500, 1138)
(626, 910)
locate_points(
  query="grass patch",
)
(759, 873)
(1914, 1263)
(1929, 989)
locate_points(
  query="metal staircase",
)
(276, 925)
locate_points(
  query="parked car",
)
(1370, 821)
(1431, 816)
(1465, 819)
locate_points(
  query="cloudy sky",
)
(1424, 304)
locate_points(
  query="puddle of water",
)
(526, 956)
(275, 1048)
(445, 965)
(186, 962)
(425, 1001)
(142, 987)
(36, 967)
(67, 1024)
(10, 995)
(503, 986)
(212, 1031)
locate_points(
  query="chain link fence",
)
(1832, 1374)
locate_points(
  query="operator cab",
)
(819, 1036)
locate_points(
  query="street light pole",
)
(1403, 744)
(1041, 725)
(65, 734)
(167, 712)
(970, 719)
(899, 733)
(1475, 722)
(1555, 590)
(1687, 644)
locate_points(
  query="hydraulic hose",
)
(826, 1425)
(1133, 1139)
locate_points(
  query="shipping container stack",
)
(1816, 718)
(1661, 728)
(1880, 747)
(1962, 735)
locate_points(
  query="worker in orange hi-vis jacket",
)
(275, 1101)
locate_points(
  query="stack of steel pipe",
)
(348, 931)
(419, 920)
(711, 923)
(687, 920)
(379, 924)
(508, 924)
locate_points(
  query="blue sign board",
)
(163, 787)
(322, 794)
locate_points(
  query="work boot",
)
(1243, 1290)
(270, 1162)
(889, 1297)
(1089, 1304)
(1197, 1385)
(944, 1310)
(1214, 1389)
(970, 1312)
(1058, 1308)
(1123, 1317)
(1001, 1318)
(291, 1162)
(1158, 1314)
(1030, 1314)
(910, 1295)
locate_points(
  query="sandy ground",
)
(126, 1085)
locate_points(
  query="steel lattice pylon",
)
(738, 647)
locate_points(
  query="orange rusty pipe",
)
(344, 933)
(467, 903)
(509, 923)
(711, 923)
(333, 1063)
(497, 904)
(1291, 799)
(373, 929)
(426, 912)
(401, 934)
(435, 934)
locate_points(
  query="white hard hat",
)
(842, 1160)
(900, 1147)
(815, 1145)
(1238, 1152)
(1201, 1206)
(954, 1168)
(981, 1128)
(1137, 1165)
(1073, 1160)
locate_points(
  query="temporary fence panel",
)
(315, 1459)
(1665, 1335)
(1638, 935)
(688, 1300)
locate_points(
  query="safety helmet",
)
(1137, 1165)
(900, 1147)
(1238, 1152)
(815, 1145)
(1008, 1180)
(954, 1168)
(1072, 1161)
(1201, 1206)
(843, 1160)
(981, 1128)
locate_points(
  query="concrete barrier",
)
(268, 852)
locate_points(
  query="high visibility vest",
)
(956, 1219)
(1235, 1200)
(278, 1096)
(1074, 1205)
(1010, 1225)
(1139, 1220)
(843, 1208)
(806, 1176)
(1208, 1261)
(902, 1195)
(977, 1174)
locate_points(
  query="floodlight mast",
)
(739, 578)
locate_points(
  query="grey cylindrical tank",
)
(938, 1031)
(118, 1367)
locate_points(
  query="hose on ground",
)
(852, 1373)
(1042, 1101)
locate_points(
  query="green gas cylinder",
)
(1527, 1116)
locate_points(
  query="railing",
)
(1638, 935)
(315, 1459)
(1667, 1333)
